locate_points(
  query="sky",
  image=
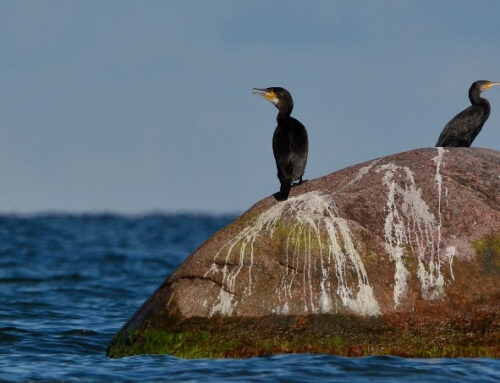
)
(133, 107)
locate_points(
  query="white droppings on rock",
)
(363, 171)
(438, 160)
(411, 228)
(317, 221)
(449, 255)
(395, 236)
(316, 225)
(245, 238)
(223, 305)
(360, 174)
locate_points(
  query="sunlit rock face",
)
(394, 236)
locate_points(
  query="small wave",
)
(75, 277)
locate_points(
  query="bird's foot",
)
(301, 181)
(280, 196)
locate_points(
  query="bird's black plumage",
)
(290, 141)
(465, 126)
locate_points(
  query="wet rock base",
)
(467, 335)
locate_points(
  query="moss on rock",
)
(338, 335)
(488, 252)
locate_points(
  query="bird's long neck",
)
(476, 99)
(285, 109)
(483, 103)
(283, 115)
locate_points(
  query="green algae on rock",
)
(396, 256)
(459, 336)
(488, 251)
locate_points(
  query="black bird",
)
(290, 143)
(466, 125)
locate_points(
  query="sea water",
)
(69, 282)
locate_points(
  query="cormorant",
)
(466, 125)
(290, 143)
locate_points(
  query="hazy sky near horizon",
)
(129, 107)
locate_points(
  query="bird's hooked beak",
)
(266, 93)
(489, 85)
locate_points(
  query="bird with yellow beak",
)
(465, 126)
(290, 140)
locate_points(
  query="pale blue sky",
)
(132, 106)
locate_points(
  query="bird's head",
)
(482, 85)
(280, 97)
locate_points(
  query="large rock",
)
(400, 255)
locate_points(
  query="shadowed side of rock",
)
(399, 256)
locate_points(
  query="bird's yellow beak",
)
(490, 84)
(268, 94)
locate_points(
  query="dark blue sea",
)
(69, 282)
